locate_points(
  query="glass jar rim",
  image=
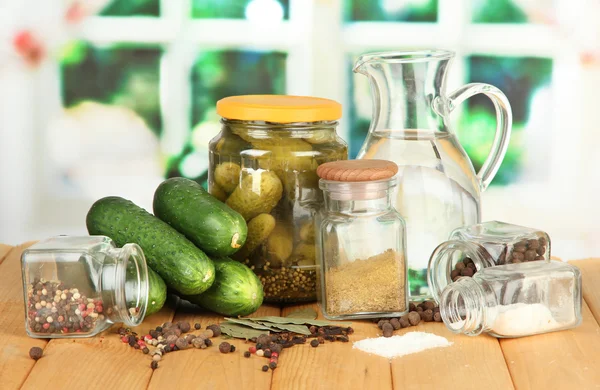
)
(440, 263)
(357, 190)
(274, 126)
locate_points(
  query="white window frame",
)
(317, 43)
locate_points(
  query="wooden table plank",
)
(479, 359)
(208, 368)
(590, 274)
(334, 365)
(15, 363)
(4, 249)
(559, 360)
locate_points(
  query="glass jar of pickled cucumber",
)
(263, 164)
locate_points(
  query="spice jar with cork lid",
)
(361, 267)
(473, 248)
(80, 286)
(514, 300)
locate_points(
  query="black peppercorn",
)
(388, 329)
(232, 348)
(224, 347)
(265, 368)
(35, 353)
(159, 329)
(272, 365)
(168, 348)
(145, 350)
(137, 346)
(314, 343)
(184, 326)
(268, 351)
(154, 365)
(216, 329)
(259, 346)
(247, 354)
(197, 326)
(428, 315)
(414, 318)
(208, 342)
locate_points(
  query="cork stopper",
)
(357, 170)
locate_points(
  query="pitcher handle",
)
(503, 125)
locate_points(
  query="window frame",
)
(317, 42)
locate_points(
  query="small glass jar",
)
(514, 300)
(473, 248)
(80, 286)
(263, 164)
(362, 240)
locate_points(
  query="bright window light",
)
(264, 11)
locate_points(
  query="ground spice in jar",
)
(376, 284)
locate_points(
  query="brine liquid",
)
(437, 192)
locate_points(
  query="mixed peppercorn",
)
(169, 338)
(52, 308)
(426, 311)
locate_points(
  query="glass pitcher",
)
(438, 189)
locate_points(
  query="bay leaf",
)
(252, 324)
(240, 331)
(301, 329)
(297, 321)
(306, 313)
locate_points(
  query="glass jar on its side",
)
(473, 248)
(362, 241)
(514, 300)
(80, 286)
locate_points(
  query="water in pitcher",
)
(437, 191)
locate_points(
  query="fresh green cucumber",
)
(209, 223)
(182, 266)
(237, 291)
(157, 292)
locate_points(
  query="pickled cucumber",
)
(304, 254)
(307, 232)
(279, 246)
(259, 228)
(218, 192)
(227, 175)
(257, 193)
(321, 136)
(302, 186)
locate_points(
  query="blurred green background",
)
(130, 76)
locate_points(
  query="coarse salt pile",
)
(396, 346)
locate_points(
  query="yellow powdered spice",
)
(376, 284)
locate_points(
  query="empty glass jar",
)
(361, 237)
(514, 300)
(263, 164)
(472, 248)
(80, 286)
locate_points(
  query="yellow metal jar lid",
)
(279, 108)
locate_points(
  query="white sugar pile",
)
(395, 346)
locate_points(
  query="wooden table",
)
(562, 360)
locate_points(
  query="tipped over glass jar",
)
(514, 300)
(80, 286)
(472, 248)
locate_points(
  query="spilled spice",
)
(376, 284)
